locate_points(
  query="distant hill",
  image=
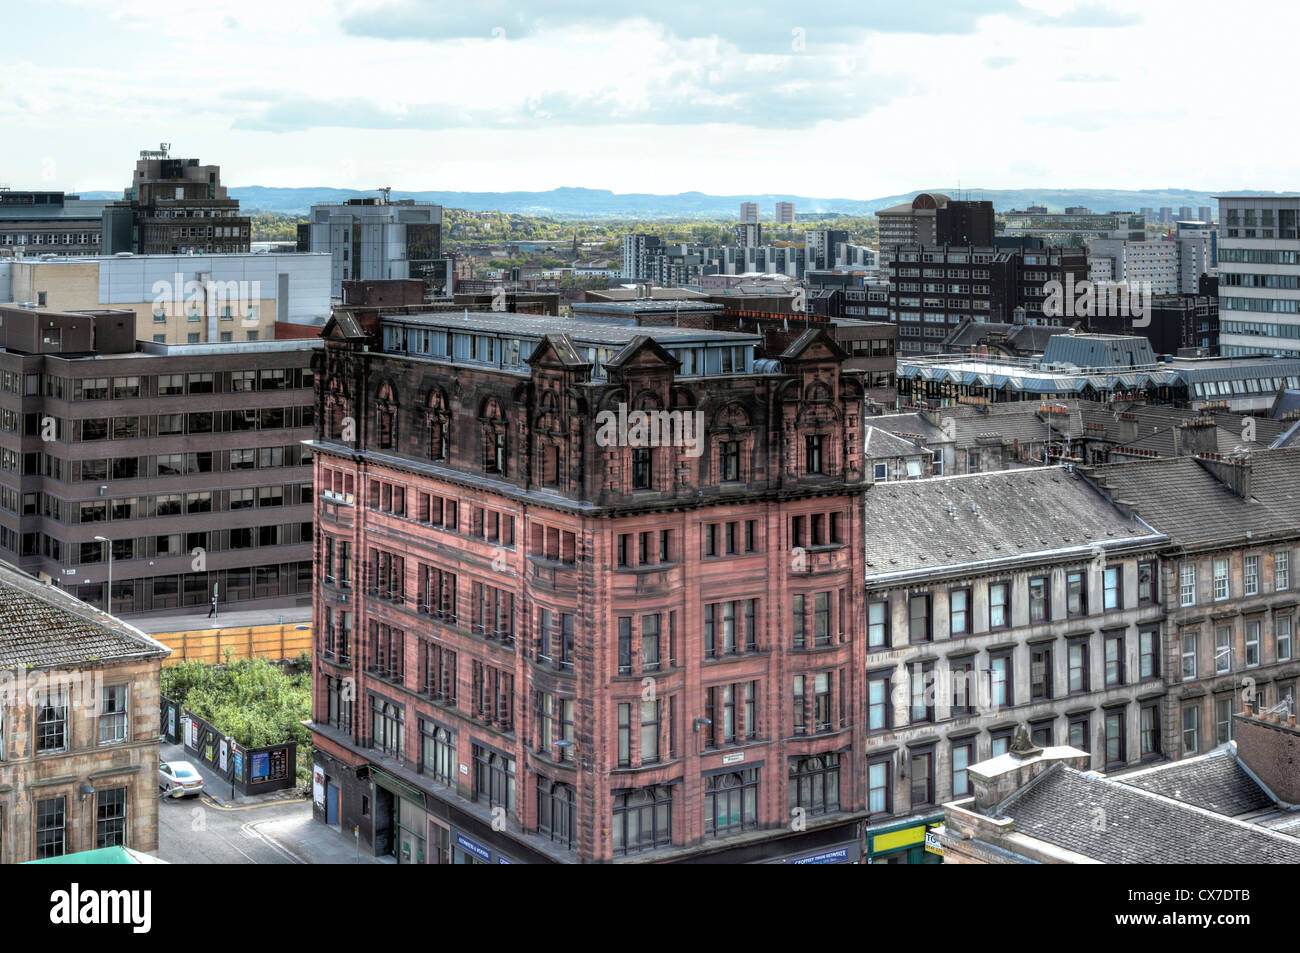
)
(579, 203)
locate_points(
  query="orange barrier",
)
(260, 641)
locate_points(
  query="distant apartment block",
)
(371, 238)
(1259, 274)
(785, 213)
(748, 213)
(182, 464)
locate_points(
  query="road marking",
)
(250, 830)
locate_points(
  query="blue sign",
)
(840, 856)
(239, 763)
(261, 766)
(478, 850)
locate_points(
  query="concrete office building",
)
(176, 470)
(932, 218)
(49, 223)
(1259, 274)
(372, 238)
(174, 206)
(1079, 228)
(182, 299)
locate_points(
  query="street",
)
(275, 830)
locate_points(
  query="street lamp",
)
(108, 544)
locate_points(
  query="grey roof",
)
(1099, 350)
(42, 626)
(1021, 338)
(604, 333)
(909, 425)
(1062, 807)
(77, 210)
(645, 307)
(1184, 499)
(1215, 781)
(922, 526)
(881, 444)
(1287, 401)
(1289, 439)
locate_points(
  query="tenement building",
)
(78, 726)
(586, 592)
(175, 472)
(1230, 586)
(998, 600)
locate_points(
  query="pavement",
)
(275, 828)
(196, 619)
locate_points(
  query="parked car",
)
(179, 779)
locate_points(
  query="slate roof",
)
(1215, 781)
(1062, 807)
(921, 526)
(1184, 499)
(881, 444)
(43, 626)
(1019, 338)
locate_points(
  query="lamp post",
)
(108, 544)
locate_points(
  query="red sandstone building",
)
(545, 635)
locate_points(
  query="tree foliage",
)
(251, 700)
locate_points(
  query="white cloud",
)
(877, 99)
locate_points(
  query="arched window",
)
(439, 425)
(494, 438)
(386, 417)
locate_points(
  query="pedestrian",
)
(213, 611)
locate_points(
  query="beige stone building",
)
(79, 729)
(183, 299)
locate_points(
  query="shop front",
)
(907, 842)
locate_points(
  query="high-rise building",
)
(749, 213)
(932, 218)
(543, 638)
(1203, 213)
(1259, 274)
(638, 250)
(379, 238)
(174, 207)
(785, 213)
(749, 234)
(1184, 213)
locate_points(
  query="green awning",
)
(104, 855)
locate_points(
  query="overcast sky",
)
(851, 100)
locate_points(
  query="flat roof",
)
(535, 326)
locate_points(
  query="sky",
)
(833, 100)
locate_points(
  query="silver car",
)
(179, 779)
